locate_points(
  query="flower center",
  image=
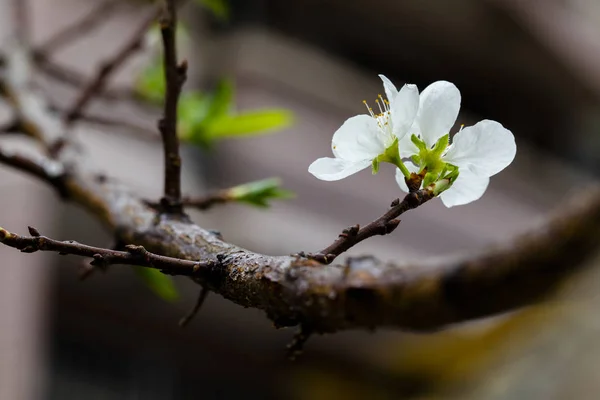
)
(383, 118)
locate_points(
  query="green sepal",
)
(375, 166)
(441, 145)
(418, 142)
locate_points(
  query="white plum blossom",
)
(372, 138)
(462, 170)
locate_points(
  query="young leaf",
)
(159, 283)
(251, 123)
(259, 193)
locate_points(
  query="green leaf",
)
(158, 282)
(259, 193)
(219, 8)
(251, 123)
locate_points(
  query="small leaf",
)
(259, 193)
(219, 8)
(250, 123)
(159, 283)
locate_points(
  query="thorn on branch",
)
(199, 302)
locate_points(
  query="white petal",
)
(333, 169)
(389, 87)
(404, 109)
(468, 187)
(400, 176)
(486, 148)
(407, 147)
(438, 109)
(358, 139)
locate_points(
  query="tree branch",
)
(75, 79)
(361, 293)
(134, 255)
(97, 83)
(383, 225)
(50, 171)
(175, 76)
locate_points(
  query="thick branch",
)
(175, 75)
(97, 83)
(134, 255)
(381, 226)
(361, 292)
(50, 171)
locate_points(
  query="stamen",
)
(386, 104)
(379, 104)
(369, 108)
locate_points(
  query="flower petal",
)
(404, 110)
(333, 169)
(486, 148)
(438, 109)
(468, 187)
(400, 176)
(358, 139)
(389, 87)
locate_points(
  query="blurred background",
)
(532, 65)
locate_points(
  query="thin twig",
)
(82, 26)
(75, 79)
(97, 83)
(133, 255)
(112, 122)
(205, 202)
(295, 348)
(175, 75)
(201, 297)
(381, 226)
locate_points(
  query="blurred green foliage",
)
(205, 118)
(219, 8)
(259, 193)
(158, 282)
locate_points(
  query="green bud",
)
(440, 186)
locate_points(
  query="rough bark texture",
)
(359, 293)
